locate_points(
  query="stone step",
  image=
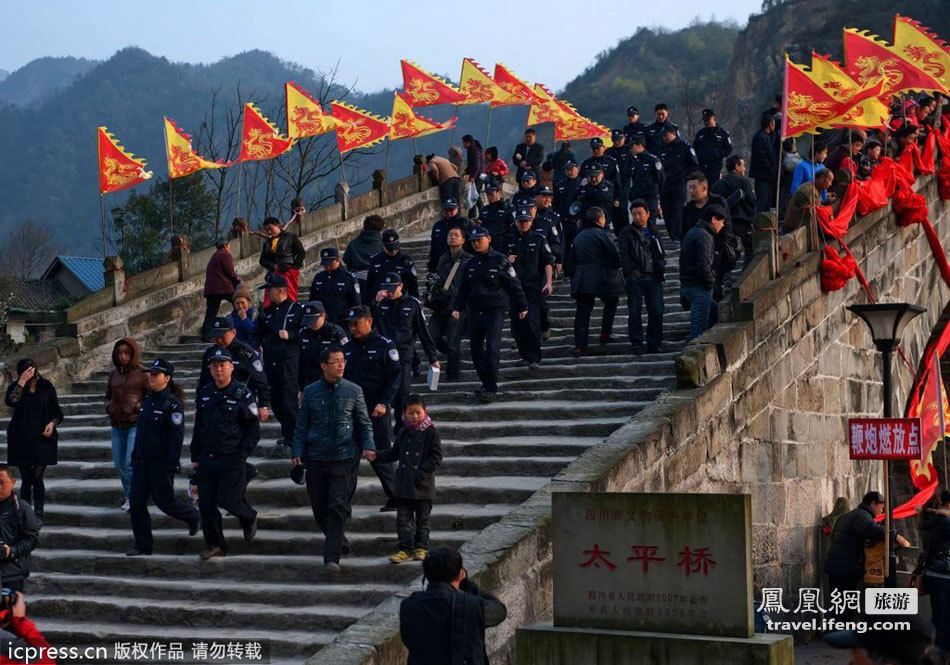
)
(282, 643)
(283, 492)
(171, 541)
(279, 468)
(51, 584)
(365, 519)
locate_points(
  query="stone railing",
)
(159, 305)
(761, 408)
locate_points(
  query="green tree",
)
(142, 234)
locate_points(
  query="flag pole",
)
(102, 220)
(415, 150)
(455, 114)
(389, 142)
(237, 203)
(171, 203)
(488, 130)
(342, 169)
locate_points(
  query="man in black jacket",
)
(739, 193)
(445, 330)
(316, 336)
(335, 286)
(653, 133)
(645, 177)
(634, 127)
(644, 266)
(528, 155)
(533, 260)
(451, 218)
(19, 532)
(678, 161)
(391, 259)
(844, 563)
(283, 254)
(494, 216)
(712, 145)
(764, 167)
(362, 248)
(489, 285)
(447, 621)
(697, 269)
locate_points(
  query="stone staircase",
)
(85, 590)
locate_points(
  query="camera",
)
(8, 599)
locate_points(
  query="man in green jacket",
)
(333, 424)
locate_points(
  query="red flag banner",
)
(521, 93)
(259, 138)
(118, 169)
(867, 59)
(357, 128)
(425, 89)
(923, 48)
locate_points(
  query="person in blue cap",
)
(565, 193)
(249, 369)
(316, 335)
(634, 127)
(494, 216)
(391, 259)
(226, 432)
(451, 218)
(278, 329)
(156, 457)
(399, 317)
(679, 161)
(489, 287)
(533, 260)
(335, 286)
(596, 192)
(527, 189)
(712, 145)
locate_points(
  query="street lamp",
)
(887, 321)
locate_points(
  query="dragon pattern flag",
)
(305, 117)
(867, 59)
(182, 158)
(357, 128)
(405, 124)
(806, 106)
(118, 169)
(831, 76)
(480, 88)
(259, 138)
(573, 126)
(521, 94)
(545, 109)
(923, 48)
(424, 89)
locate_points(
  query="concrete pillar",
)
(380, 184)
(419, 170)
(240, 238)
(341, 194)
(115, 278)
(765, 239)
(181, 254)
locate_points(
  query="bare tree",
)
(27, 250)
(687, 99)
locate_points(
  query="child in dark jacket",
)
(418, 448)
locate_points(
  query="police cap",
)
(544, 191)
(221, 355)
(633, 110)
(358, 312)
(221, 325)
(596, 142)
(569, 164)
(669, 128)
(273, 280)
(593, 168)
(708, 113)
(312, 311)
(528, 175)
(390, 239)
(161, 365)
(450, 204)
(638, 139)
(392, 280)
(298, 474)
(478, 232)
(328, 255)
(492, 187)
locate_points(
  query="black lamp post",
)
(886, 322)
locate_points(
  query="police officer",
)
(548, 222)
(533, 261)
(226, 432)
(654, 131)
(316, 334)
(391, 259)
(446, 331)
(489, 286)
(334, 286)
(620, 153)
(528, 188)
(494, 216)
(678, 160)
(598, 155)
(155, 457)
(634, 127)
(399, 317)
(645, 178)
(372, 363)
(278, 329)
(712, 145)
(565, 194)
(248, 368)
(596, 192)
(450, 218)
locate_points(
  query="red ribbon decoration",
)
(836, 269)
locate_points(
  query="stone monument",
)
(651, 579)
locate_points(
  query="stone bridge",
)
(756, 405)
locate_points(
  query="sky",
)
(541, 41)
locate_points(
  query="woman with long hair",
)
(31, 434)
(155, 458)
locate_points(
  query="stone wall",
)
(762, 409)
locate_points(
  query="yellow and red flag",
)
(259, 138)
(521, 93)
(182, 158)
(479, 87)
(545, 109)
(922, 47)
(867, 59)
(118, 169)
(305, 117)
(404, 123)
(934, 423)
(806, 106)
(864, 107)
(424, 89)
(573, 126)
(865, 110)
(357, 128)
